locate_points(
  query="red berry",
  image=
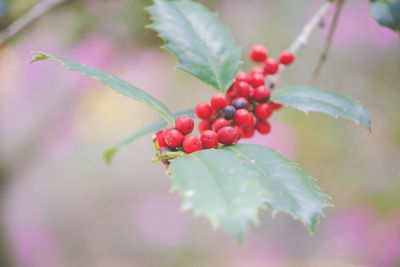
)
(204, 125)
(263, 126)
(276, 106)
(242, 116)
(185, 124)
(256, 69)
(219, 124)
(258, 53)
(161, 139)
(257, 79)
(286, 57)
(218, 101)
(227, 135)
(250, 121)
(209, 139)
(271, 66)
(251, 92)
(203, 111)
(241, 89)
(174, 138)
(167, 129)
(261, 93)
(229, 96)
(191, 144)
(264, 111)
(248, 131)
(242, 77)
(239, 131)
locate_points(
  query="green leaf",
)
(386, 13)
(203, 46)
(150, 128)
(309, 99)
(112, 81)
(230, 185)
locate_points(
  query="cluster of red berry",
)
(237, 114)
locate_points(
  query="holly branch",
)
(302, 39)
(34, 13)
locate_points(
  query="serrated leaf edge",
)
(180, 66)
(274, 212)
(44, 56)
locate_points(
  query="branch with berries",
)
(217, 177)
(237, 114)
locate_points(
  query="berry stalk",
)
(302, 39)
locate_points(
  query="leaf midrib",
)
(203, 48)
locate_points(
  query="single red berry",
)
(239, 131)
(230, 95)
(257, 79)
(227, 135)
(167, 129)
(242, 77)
(261, 93)
(248, 132)
(218, 101)
(251, 92)
(242, 116)
(219, 124)
(191, 143)
(263, 126)
(250, 121)
(204, 125)
(174, 138)
(271, 66)
(276, 106)
(258, 53)
(203, 111)
(264, 111)
(161, 139)
(256, 69)
(209, 139)
(185, 124)
(286, 57)
(241, 89)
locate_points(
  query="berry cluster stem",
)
(302, 39)
(162, 154)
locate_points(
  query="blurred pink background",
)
(63, 206)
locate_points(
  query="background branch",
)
(302, 39)
(35, 12)
(328, 42)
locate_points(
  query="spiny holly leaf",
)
(150, 128)
(112, 81)
(286, 188)
(214, 183)
(229, 185)
(309, 99)
(202, 45)
(386, 13)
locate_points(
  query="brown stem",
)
(35, 12)
(302, 39)
(328, 43)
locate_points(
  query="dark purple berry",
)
(228, 112)
(240, 103)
